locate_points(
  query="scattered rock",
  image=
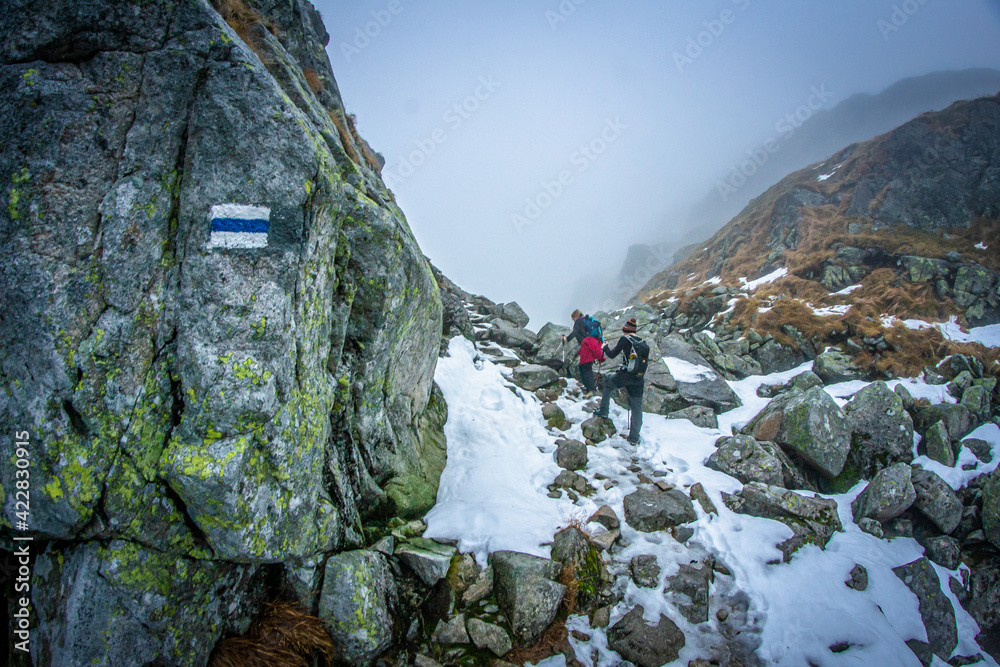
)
(534, 376)
(645, 571)
(936, 500)
(649, 510)
(356, 604)
(859, 578)
(742, 457)
(645, 645)
(937, 445)
(571, 454)
(569, 545)
(571, 480)
(490, 637)
(691, 590)
(835, 366)
(421, 660)
(887, 496)
(698, 415)
(526, 591)
(935, 608)
(991, 508)
(597, 429)
(872, 527)
(909, 403)
(554, 416)
(606, 517)
(698, 493)
(808, 423)
(812, 520)
(452, 632)
(957, 419)
(480, 589)
(881, 431)
(983, 604)
(427, 558)
(601, 618)
(605, 540)
(983, 450)
(944, 550)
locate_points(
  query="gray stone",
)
(606, 517)
(991, 508)
(699, 494)
(690, 587)
(812, 520)
(452, 631)
(881, 431)
(357, 604)
(569, 545)
(650, 509)
(533, 376)
(712, 392)
(904, 394)
(552, 351)
(743, 458)
(554, 416)
(740, 366)
(776, 358)
(979, 400)
(859, 578)
(117, 591)
(698, 415)
(571, 455)
(936, 500)
(510, 335)
(944, 550)
(936, 611)
(645, 645)
(835, 366)
(568, 479)
(512, 312)
(605, 540)
(887, 496)
(428, 559)
(957, 419)
(983, 604)
(526, 591)
(480, 589)
(808, 423)
(937, 445)
(983, 450)
(421, 660)
(597, 429)
(645, 571)
(872, 527)
(959, 384)
(490, 637)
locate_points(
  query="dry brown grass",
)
(553, 641)
(284, 635)
(313, 79)
(240, 17)
(345, 137)
(370, 158)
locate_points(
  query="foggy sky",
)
(530, 143)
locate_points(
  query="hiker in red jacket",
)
(590, 348)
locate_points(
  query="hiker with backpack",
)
(631, 377)
(587, 330)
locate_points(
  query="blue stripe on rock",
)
(239, 225)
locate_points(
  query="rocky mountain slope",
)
(210, 409)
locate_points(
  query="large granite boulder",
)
(527, 592)
(813, 520)
(645, 645)
(742, 457)
(229, 352)
(881, 431)
(887, 496)
(808, 423)
(651, 509)
(936, 611)
(835, 366)
(936, 500)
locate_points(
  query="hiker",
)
(631, 376)
(587, 330)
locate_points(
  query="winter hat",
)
(629, 326)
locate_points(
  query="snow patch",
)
(685, 371)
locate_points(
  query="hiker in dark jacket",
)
(590, 351)
(632, 382)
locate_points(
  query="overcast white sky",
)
(613, 98)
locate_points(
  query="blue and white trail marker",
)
(238, 226)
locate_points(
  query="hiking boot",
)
(636, 441)
(588, 394)
(597, 413)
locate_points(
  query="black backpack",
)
(592, 327)
(638, 358)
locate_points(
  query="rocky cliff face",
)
(205, 411)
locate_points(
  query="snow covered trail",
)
(493, 496)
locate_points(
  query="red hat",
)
(630, 326)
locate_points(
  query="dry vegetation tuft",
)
(370, 158)
(284, 635)
(240, 17)
(553, 641)
(345, 137)
(313, 79)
